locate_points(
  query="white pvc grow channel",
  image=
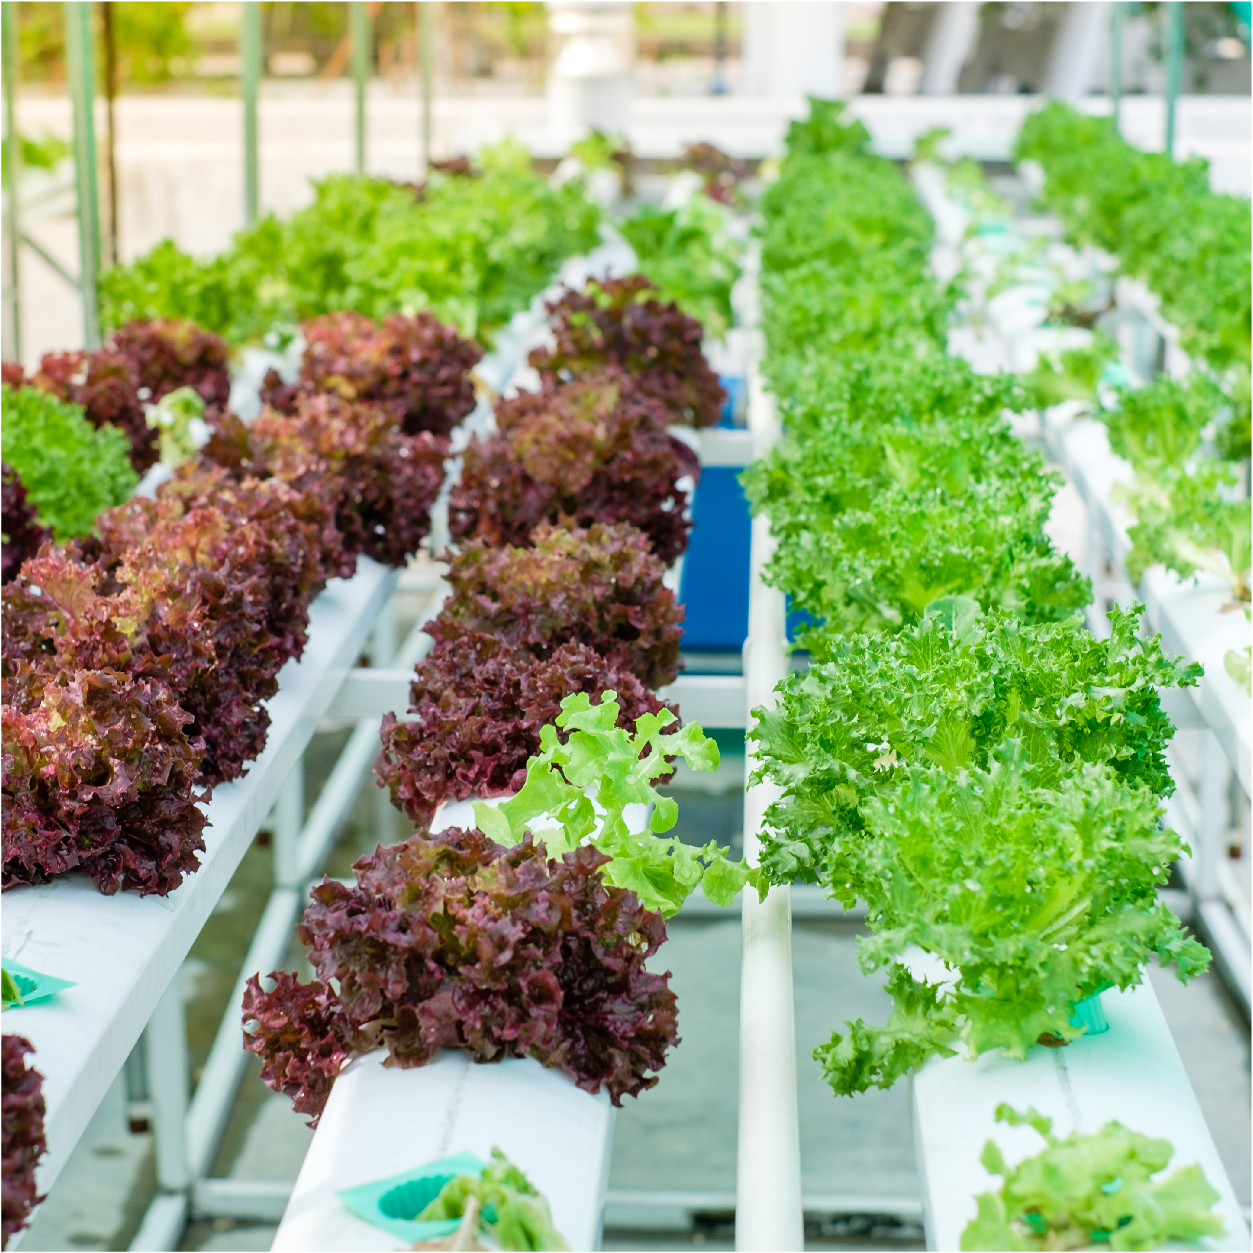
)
(123, 951)
(543, 1122)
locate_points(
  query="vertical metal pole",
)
(12, 345)
(427, 9)
(289, 821)
(383, 648)
(110, 93)
(720, 49)
(1215, 781)
(165, 1040)
(250, 82)
(83, 92)
(1174, 69)
(360, 23)
(768, 1206)
(1115, 63)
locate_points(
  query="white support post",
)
(215, 1093)
(950, 42)
(1079, 50)
(794, 48)
(1098, 622)
(165, 1046)
(383, 655)
(289, 818)
(768, 1208)
(1215, 784)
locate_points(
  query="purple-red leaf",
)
(601, 587)
(591, 450)
(416, 368)
(478, 704)
(620, 322)
(450, 941)
(24, 1143)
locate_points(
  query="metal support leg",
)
(80, 64)
(383, 653)
(1115, 63)
(426, 11)
(1214, 798)
(289, 818)
(359, 20)
(1098, 622)
(167, 1081)
(250, 82)
(11, 339)
(165, 1040)
(768, 1206)
(138, 1092)
(1174, 69)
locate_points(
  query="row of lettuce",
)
(527, 935)
(960, 753)
(142, 637)
(138, 653)
(474, 243)
(1187, 440)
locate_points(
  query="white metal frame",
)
(769, 1210)
(123, 952)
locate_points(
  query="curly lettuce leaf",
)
(1087, 1189)
(586, 784)
(71, 471)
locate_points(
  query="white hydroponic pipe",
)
(768, 1212)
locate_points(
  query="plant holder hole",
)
(408, 1200)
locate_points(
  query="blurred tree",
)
(525, 22)
(151, 40)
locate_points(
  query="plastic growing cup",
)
(408, 1200)
(1090, 1015)
(394, 1204)
(35, 986)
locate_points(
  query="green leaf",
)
(71, 470)
(12, 994)
(493, 823)
(509, 1207)
(1083, 1189)
(586, 784)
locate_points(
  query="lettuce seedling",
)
(509, 1207)
(413, 366)
(621, 322)
(584, 786)
(590, 450)
(1189, 520)
(478, 704)
(602, 587)
(946, 691)
(1034, 896)
(451, 941)
(1090, 1189)
(688, 254)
